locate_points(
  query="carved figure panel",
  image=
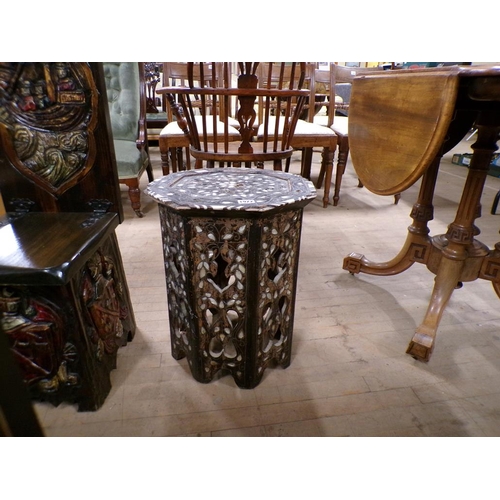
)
(48, 113)
(36, 329)
(105, 307)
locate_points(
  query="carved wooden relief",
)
(48, 112)
(105, 305)
(36, 330)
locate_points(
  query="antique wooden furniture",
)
(17, 417)
(340, 126)
(231, 238)
(213, 138)
(172, 140)
(427, 112)
(64, 300)
(311, 132)
(156, 114)
(307, 135)
(127, 109)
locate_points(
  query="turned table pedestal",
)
(400, 125)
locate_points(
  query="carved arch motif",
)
(48, 113)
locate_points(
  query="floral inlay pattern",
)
(231, 189)
(231, 245)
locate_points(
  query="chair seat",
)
(173, 130)
(321, 120)
(155, 123)
(130, 161)
(49, 248)
(307, 128)
(154, 133)
(341, 125)
(155, 117)
(302, 128)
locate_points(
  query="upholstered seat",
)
(301, 128)
(173, 128)
(172, 136)
(126, 102)
(341, 125)
(130, 159)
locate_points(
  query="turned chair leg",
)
(149, 171)
(341, 164)
(495, 204)
(134, 193)
(165, 161)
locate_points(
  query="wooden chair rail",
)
(233, 91)
(203, 113)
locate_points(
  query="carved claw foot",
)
(139, 213)
(421, 346)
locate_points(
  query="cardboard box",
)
(464, 161)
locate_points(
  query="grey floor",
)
(349, 374)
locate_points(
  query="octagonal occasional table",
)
(231, 240)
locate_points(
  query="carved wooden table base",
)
(231, 247)
(400, 125)
(454, 257)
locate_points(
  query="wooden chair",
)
(307, 135)
(314, 128)
(156, 114)
(172, 140)
(64, 300)
(125, 89)
(212, 137)
(340, 125)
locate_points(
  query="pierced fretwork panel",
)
(279, 252)
(230, 288)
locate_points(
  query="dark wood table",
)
(400, 125)
(231, 239)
